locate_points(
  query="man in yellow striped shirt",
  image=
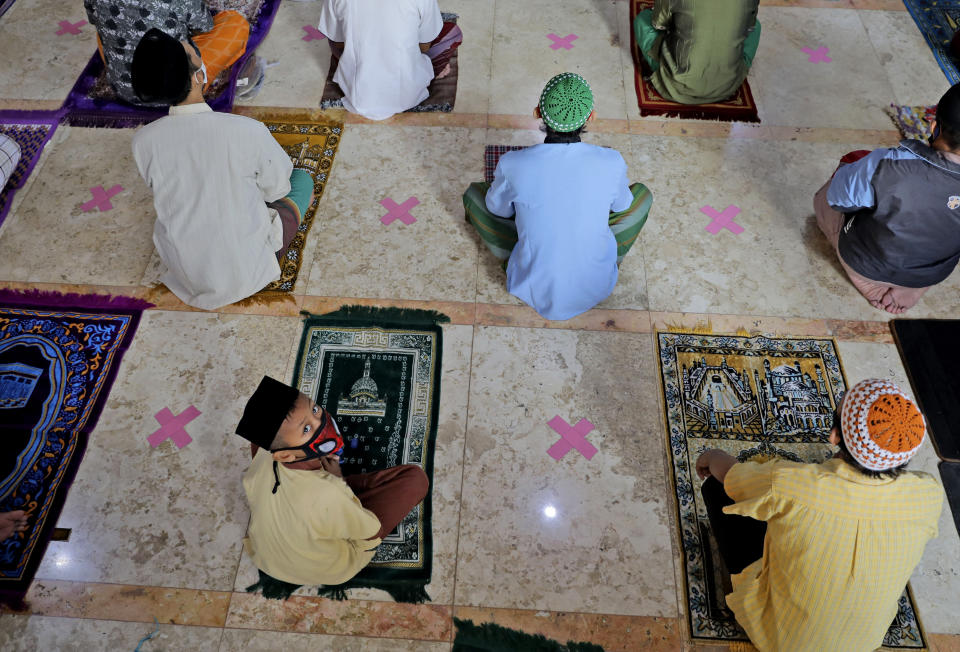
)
(840, 539)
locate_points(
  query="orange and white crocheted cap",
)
(882, 427)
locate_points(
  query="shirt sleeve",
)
(198, 16)
(500, 196)
(625, 196)
(852, 186)
(273, 169)
(431, 22)
(330, 24)
(662, 13)
(750, 485)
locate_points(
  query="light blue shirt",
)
(565, 261)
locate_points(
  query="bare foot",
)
(11, 523)
(899, 300)
(444, 72)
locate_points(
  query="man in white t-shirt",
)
(384, 68)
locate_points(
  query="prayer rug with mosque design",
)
(739, 108)
(32, 130)
(749, 415)
(311, 142)
(59, 355)
(92, 102)
(938, 21)
(377, 371)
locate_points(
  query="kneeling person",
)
(228, 200)
(549, 209)
(308, 523)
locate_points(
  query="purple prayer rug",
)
(4, 5)
(59, 355)
(31, 130)
(93, 103)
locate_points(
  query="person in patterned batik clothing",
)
(120, 24)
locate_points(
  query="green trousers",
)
(500, 234)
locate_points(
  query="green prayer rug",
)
(755, 398)
(489, 637)
(377, 371)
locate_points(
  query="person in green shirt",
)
(699, 51)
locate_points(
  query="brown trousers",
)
(391, 494)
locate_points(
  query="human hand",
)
(703, 464)
(331, 464)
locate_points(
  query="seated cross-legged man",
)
(308, 523)
(387, 52)
(120, 24)
(547, 214)
(228, 200)
(698, 51)
(820, 553)
(893, 214)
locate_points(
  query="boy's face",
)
(300, 426)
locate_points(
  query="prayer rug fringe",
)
(272, 588)
(47, 298)
(489, 637)
(701, 328)
(378, 314)
(411, 594)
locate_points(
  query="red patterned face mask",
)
(327, 441)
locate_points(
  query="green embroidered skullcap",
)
(566, 102)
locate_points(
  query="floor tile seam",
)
(563, 612)
(111, 620)
(463, 469)
(278, 628)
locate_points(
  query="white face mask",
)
(203, 69)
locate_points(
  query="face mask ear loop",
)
(276, 476)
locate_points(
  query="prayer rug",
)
(93, 103)
(443, 91)
(59, 355)
(739, 108)
(928, 348)
(938, 21)
(490, 637)
(756, 398)
(312, 146)
(913, 121)
(31, 130)
(377, 371)
(5, 5)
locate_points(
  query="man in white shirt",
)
(212, 176)
(384, 68)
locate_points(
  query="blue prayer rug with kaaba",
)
(59, 354)
(756, 398)
(938, 21)
(377, 371)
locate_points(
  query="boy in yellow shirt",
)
(308, 523)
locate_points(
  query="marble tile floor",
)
(155, 533)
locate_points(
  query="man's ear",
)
(284, 456)
(835, 437)
(536, 112)
(592, 116)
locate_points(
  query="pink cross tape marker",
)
(101, 198)
(398, 211)
(566, 42)
(171, 427)
(66, 27)
(722, 220)
(571, 437)
(312, 33)
(818, 55)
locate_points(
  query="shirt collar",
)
(187, 109)
(847, 472)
